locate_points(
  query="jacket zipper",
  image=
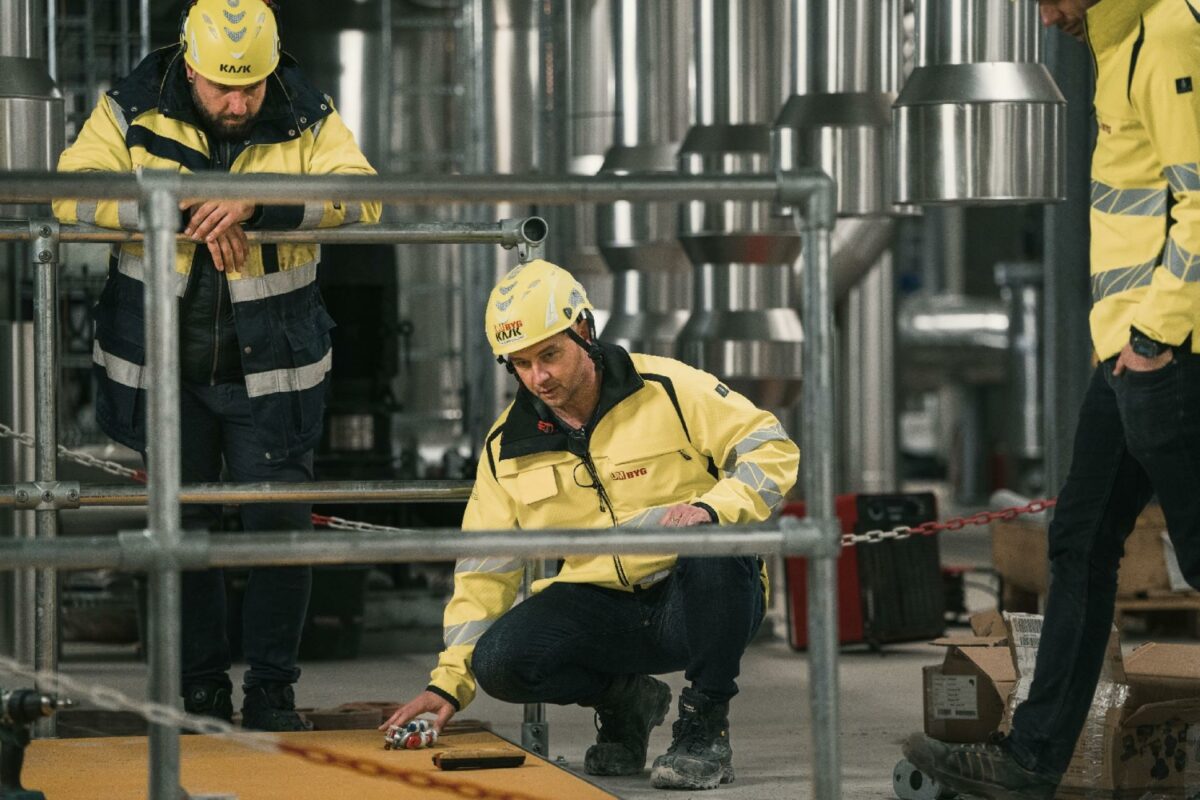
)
(224, 154)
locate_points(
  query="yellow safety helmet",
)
(533, 302)
(231, 42)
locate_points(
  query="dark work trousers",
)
(217, 429)
(565, 644)
(1138, 436)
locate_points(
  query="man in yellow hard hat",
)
(1139, 426)
(254, 333)
(598, 437)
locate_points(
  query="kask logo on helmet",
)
(235, 69)
(509, 331)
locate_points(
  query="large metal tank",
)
(744, 326)
(652, 277)
(979, 120)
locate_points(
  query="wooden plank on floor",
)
(106, 768)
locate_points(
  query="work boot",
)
(209, 700)
(984, 770)
(700, 756)
(629, 710)
(271, 707)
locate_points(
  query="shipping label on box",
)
(954, 696)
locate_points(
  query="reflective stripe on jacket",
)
(148, 121)
(1145, 198)
(665, 433)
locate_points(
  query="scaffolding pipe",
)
(73, 495)
(163, 551)
(530, 231)
(819, 469)
(793, 188)
(44, 254)
(142, 551)
(164, 522)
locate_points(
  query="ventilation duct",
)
(31, 107)
(652, 278)
(979, 121)
(743, 326)
(845, 67)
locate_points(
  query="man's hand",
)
(1129, 360)
(684, 515)
(217, 223)
(424, 703)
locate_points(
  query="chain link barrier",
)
(953, 524)
(340, 523)
(110, 699)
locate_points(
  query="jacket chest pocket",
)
(654, 473)
(537, 484)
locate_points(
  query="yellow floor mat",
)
(111, 768)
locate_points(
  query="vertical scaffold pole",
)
(161, 380)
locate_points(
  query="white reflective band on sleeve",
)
(775, 433)
(493, 565)
(753, 476)
(276, 283)
(466, 633)
(127, 215)
(1130, 202)
(1183, 177)
(85, 211)
(353, 213)
(259, 384)
(119, 370)
(313, 214)
(1183, 264)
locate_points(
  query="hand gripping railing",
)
(162, 551)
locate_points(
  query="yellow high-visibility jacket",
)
(1145, 198)
(664, 434)
(148, 121)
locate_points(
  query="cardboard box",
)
(1019, 553)
(1142, 736)
(965, 695)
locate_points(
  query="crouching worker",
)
(598, 437)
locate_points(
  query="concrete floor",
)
(880, 705)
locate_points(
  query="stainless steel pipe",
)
(237, 493)
(530, 231)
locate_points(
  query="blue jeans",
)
(1138, 435)
(565, 644)
(217, 428)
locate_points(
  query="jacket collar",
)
(292, 104)
(532, 428)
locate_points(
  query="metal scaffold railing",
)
(162, 551)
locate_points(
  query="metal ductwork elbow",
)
(652, 278)
(744, 326)
(979, 121)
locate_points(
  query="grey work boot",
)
(272, 707)
(629, 710)
(700, 756)
(209, 700)
(982, 770)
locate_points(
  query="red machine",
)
(887, 592)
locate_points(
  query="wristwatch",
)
(1144, 346)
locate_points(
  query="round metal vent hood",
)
(979, 121)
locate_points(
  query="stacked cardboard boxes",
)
(1142, 738)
